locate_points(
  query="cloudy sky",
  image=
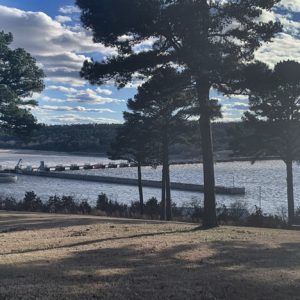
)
(51, 32)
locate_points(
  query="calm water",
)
(264, 181)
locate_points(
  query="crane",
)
(17, 167)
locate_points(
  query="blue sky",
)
(51, 32)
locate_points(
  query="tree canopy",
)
(20, 77)
(274, 110)
(208, 39)
(132, 141)
(273, 120)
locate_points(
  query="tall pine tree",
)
(208, 38)
(164, 101)
(272, 124)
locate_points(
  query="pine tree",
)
(132, 143)
(165, 102)
(19, 78)
(210, 39)
(272, 124)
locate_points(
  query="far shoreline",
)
(103, 155)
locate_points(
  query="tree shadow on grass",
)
(95, 241)
(31, 221)
(140, 267)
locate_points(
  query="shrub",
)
(84, 207)
(238, 212)
(152, 208)
(197, 210)
(102, 202)
(54, 204)
(135, 208)
(273, 222)
(297, 215)
(31, 202)
(176, 211)
(69, 205)
(222, 214)
(257, 218)
(9, 203)
(112, 208)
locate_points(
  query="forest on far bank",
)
(63, 138)
(96, 138)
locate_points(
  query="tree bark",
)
(166, 212)
(140, 188)
(163, 195)
(210, 217)
(168, 187)
(290, 192)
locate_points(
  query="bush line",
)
(236, 214)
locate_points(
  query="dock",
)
(187, 187)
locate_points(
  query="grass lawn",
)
(46, 256)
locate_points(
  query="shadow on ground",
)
(139, 268)
(27, 221)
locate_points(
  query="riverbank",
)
(45, 256)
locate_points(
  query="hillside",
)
(81, 257)
(97, 138)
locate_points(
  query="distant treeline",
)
(96, 138)
(66, 138)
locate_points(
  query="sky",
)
(52, 33)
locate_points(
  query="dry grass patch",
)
(46, 256)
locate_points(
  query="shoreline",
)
(103, 155)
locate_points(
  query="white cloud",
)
(240, 106)
(104, 91)
(55, 46)
(69, 9)
(293, 5)
(73, 109)
(143, 46)
(289, 25)
(283, 47)
(63, 19)
(137, 81)
(83, 96)
(91, 96)
(75, 82)
(61, 88)
(46, 98)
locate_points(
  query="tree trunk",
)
(163, 195)
(168, 187)
(166, 194)
(290, 192)
(210, 217)
(140, 188)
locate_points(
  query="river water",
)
(265, 181)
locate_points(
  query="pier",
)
(72, 167)
(187, 187)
